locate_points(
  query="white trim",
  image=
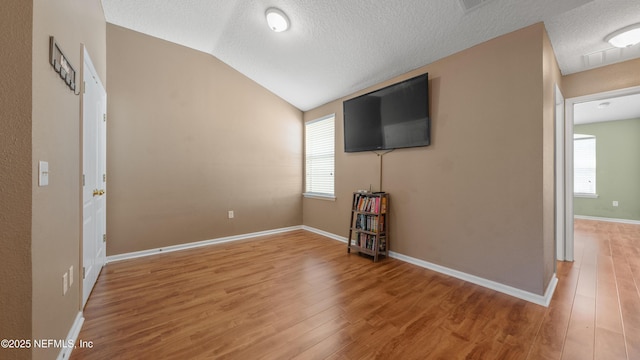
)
(586, 195)
(560, 233)
(191, 245)
(543, 300)
(597, 218)
(568, 178)
(72, 337)
(505, 289)
(324, 233)
(319, 196)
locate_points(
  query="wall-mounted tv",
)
(393, 117)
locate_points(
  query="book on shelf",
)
(373, 223)
(366, 241)
(368, 203)
(383, 243)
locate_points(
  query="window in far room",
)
(319, 138)
(584, 165)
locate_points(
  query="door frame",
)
(569, 121)
(560, 180)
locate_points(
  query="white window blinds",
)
(584, 164)
(320, 156)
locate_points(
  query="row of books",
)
(368, 242)
(372, 204)
(372, 223)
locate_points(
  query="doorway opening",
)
(574, 114)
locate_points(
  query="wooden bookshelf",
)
(368, 228)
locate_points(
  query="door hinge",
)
(104, 117)
(82, 179)
(104, 177)
(84, 272)
(84, 87)
(104, 238)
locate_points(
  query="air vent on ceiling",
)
(602, 57)
(469, 5)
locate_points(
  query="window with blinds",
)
(319, 137)
(584, 164)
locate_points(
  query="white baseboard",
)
(72, 337)
(597, 218)
(324, 233)
(515, 292)
(543, 300)
(191, 245)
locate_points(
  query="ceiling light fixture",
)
(625, 37)
(277, 20)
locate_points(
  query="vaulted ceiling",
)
(336, 47)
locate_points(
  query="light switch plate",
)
(43, 179)
(65, 283)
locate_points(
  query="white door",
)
(94, 135)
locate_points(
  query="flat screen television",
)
(393, 117)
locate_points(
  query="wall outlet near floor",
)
(230, 214)
(615, 203)
(65, 283)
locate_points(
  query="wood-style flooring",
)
(299, 295)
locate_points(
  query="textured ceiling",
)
(337, 47)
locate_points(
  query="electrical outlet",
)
(230, 214)
(615, 203)
(70, 275)
(65, 283)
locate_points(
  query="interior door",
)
(94, 135)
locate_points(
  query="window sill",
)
(585, 195)
(319, 196)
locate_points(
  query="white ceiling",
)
(618, 108)
(337, 47)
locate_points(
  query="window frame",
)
(309, 193)
(576, 154)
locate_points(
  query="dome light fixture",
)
(277, 20)
(625, 37)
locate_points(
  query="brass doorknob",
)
(97, 192)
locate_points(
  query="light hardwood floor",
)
(300, 295)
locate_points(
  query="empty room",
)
(320, 180)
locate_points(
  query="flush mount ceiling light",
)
(277, 20)
(625, 37)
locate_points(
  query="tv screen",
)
(393, 117)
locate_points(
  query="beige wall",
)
(15, 176)
(56, 139)
(613, 77)
(190, 138)
(475, 200)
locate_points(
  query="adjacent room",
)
(320, 180)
